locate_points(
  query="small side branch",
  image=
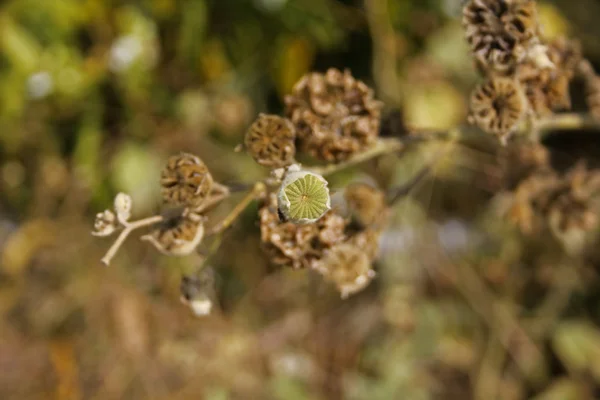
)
(129, 227)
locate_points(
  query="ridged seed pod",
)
(270, 141)
(498, 106)
(185, 181)
(348, 267)
(178, 236)
(303, 196)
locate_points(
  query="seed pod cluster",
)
(329, 243)
(335, 115)
(526, 76)
(567, 206)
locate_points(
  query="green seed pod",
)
(303, 196)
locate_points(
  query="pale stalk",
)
(129, 227)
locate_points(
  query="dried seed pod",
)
(179, 235)
(185, 181)
(592, 91)
(270, 141)
(348, 267)
(105, 223)
(303, 196)
(498, 106)
(566, 205)
(335, 115)
(500, 32)
(547, 89)
(297, 246)
(367, 205)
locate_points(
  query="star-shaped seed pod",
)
(185, 181)
(348, 267)
(303, 196)
(178, 235)
(498, 105)
(270, 141)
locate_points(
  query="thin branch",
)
(130, 227)
(383, 146)
(257, 191)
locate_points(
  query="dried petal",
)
(123, 207)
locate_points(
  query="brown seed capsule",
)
(366, 204)
(500, 32)
(297, 246)
(179, 235)
(185, 181)
(335, 115)
(348, 267)
(498, 106)
(592, 91)
(270, 141)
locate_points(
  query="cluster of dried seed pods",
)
(526, 76)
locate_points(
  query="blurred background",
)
(96, 94)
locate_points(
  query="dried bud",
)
(270, 141)
(303, 196)
(123, 207)
(498, 106)
(105, 223)
(185, 181)
(500, 32)
(178, 236)
(348, 267)
(366, 204)
(335, 115)
(198, 292)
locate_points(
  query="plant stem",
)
(258, 189)
(383, 146)
(130, 227)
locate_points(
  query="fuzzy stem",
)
(129, 227)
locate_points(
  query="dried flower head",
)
(270, 141)
(178, 235)
(335, 115)
(348, 267)
(566, 205)
(303, 196)
(122, 206)
(367, 204)
(547, 89)
(592, 91)
(105, 223)
(185, 181)
(498, 106)
(297, 246)
(500, 32)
